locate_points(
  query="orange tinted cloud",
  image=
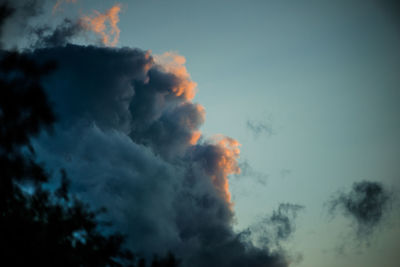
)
(193, 124)
(226, 164)
(98, 24)
(223, 161)
(59, 2)
(174, 63)
(195, 137)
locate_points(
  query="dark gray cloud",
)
(279, 226)
(260, 127)
(22, 9)
(15, 16)
(25, 27)
(391, 9)
(283, 218)
(127, 135)
(366, 204)
(46, 36)
(5, 12)
(246, 170)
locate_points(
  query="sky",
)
(324, 75)
(310, 90)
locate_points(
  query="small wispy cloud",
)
(366, 204)
(248, 171)
(98, 24)
(260, 127)
(271, 229)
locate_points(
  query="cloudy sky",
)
(308, 91)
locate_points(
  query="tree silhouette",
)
(40, 227)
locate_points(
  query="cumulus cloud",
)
(128, 134)
(42, 34)
(366, 204)
(174, 63)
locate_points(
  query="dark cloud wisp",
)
(366, 204)
(260, 127)
(248, 171)
(61, 35)
(15, 16)
(271, 230)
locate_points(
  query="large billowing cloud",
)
(128, 136)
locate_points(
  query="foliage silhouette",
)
(40, 227)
